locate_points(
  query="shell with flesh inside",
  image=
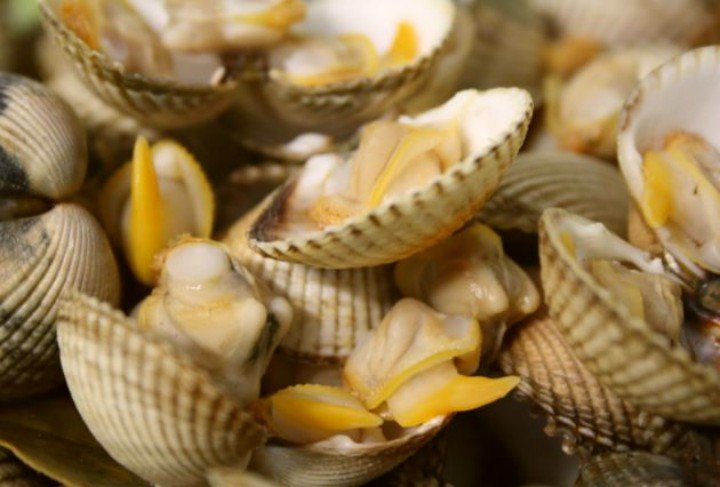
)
(470, 275)
(409, 184)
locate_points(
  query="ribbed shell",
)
(323, 466)
(411, 223)
(575, 402)
(334, 309)
(624, 353)
(42, 144)
(157, 102)
(622, 23)
(40, 258)
(540, 180)
(14, 473)
(633, 468)
(424, 468)
(507, 50)
(152, 409)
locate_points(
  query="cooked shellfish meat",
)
(213, 309)
(583, 113)
(161, 194)
(630, 275)
(414, 361)
(311, 412)
(228, 25)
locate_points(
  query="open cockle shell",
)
(492, 125)
(334, 309)
(636, 362)
(160, 102)
(576, 402)
(339, 461)
(540, 180)
(680, 99)
(153, 409)
(272, 111)
(621, 23)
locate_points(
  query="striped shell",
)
(574, 400)
(621, 23)
(327, 465)
(634, 361)
(152, 409)
(414, 221)
(539, 180)
(334, 309)
(156, 102)
(633, 468)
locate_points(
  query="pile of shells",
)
(288, 242)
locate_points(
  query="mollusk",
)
(623, 324)
(469, 274)
(161, 194)
(151, 89)
(166, 395)
(44, 248)
(334, 308)
(540, 180)
(584, 111)
(668, 152)
(409, 184)
(14, 473)
(345, 64)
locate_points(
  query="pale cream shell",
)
(540, 180)
(40, 258)
(160, 103)
(409, 224)
(151, 408)
(334, 308)
(333, 466)
(624, 353)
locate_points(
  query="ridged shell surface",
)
(410, 223)
(623, 352)
(40, 258)
(540, 180)
(158, 102)
(152, 409)
(334, 309)
(576, 402)
(340, 466)
(42, 144)
(633, 468)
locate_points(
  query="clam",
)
(334, 308)
(620, 23)
(168, 395)
(409, 184)
(45, 247)
(539, 180)
(402, 384)
(161, 194)
(589, 415)
(621, 312)
(583, 112)
(668, 153)
(470, 275)
(14, 473)
(344, 64)
(119, 56)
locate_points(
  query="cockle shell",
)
(341, 463)
(334, 308)
(42, 157)
(545, 179)
(413, 221)
(632, 359)
(621, 23)
(152, 408)
(158, 102)
(14, 473)
(576, 402)
(273, 110)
